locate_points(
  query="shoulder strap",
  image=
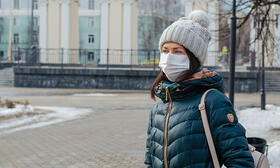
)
(207, 131)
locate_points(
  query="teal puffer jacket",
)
(176, 137)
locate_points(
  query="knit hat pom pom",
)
(200, 17)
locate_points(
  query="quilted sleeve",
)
(148, 161)
(228, 134)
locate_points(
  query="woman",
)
(176, 138)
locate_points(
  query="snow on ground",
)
(19, 110)
(26, 117)
(264, 124)
(274, 154)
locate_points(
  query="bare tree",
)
(262, 14)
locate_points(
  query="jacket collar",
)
(201, 81)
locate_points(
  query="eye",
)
(165, 51)
(179, 52)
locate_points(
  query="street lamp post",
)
(263, 86)
(232, 57)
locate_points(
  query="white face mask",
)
(174, 65)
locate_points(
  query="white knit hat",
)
(191, 32)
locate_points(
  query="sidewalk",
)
(113, 135)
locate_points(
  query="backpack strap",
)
(207, 131)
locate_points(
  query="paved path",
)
(113, 135)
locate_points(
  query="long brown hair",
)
(194, 64)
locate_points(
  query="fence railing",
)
(87, 58)
(100, 58)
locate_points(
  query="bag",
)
(260, 160)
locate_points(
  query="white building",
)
(117, 22)
(272, 55)
(276, 59)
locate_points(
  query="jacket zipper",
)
(168, 97)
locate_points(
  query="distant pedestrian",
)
(176, 138)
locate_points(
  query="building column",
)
(65, 30)
(126, 43)
(43, 5)
(188, 7)
(104, 31)
(69, 30)
(212, 48)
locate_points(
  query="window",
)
(90, 4)
(35, 37)
(90, 22)
(35, 24)
(15, 21)
(90, 56)
(158, 24)
(35, 4)
(36, 21)
(0, 4)
(16, 4)
(1, 54)
(91, 38)
(16, 38)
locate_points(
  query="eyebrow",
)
(173, 48)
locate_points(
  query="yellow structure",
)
(119, 30)
(59, 30)
(10, 37)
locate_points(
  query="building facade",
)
(119, 31)
(137, 25)
(53, 34)
(89, 31)
(59, 31)
(15, 27)
(97, 31)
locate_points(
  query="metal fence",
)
(86, 58)
(103, 58)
